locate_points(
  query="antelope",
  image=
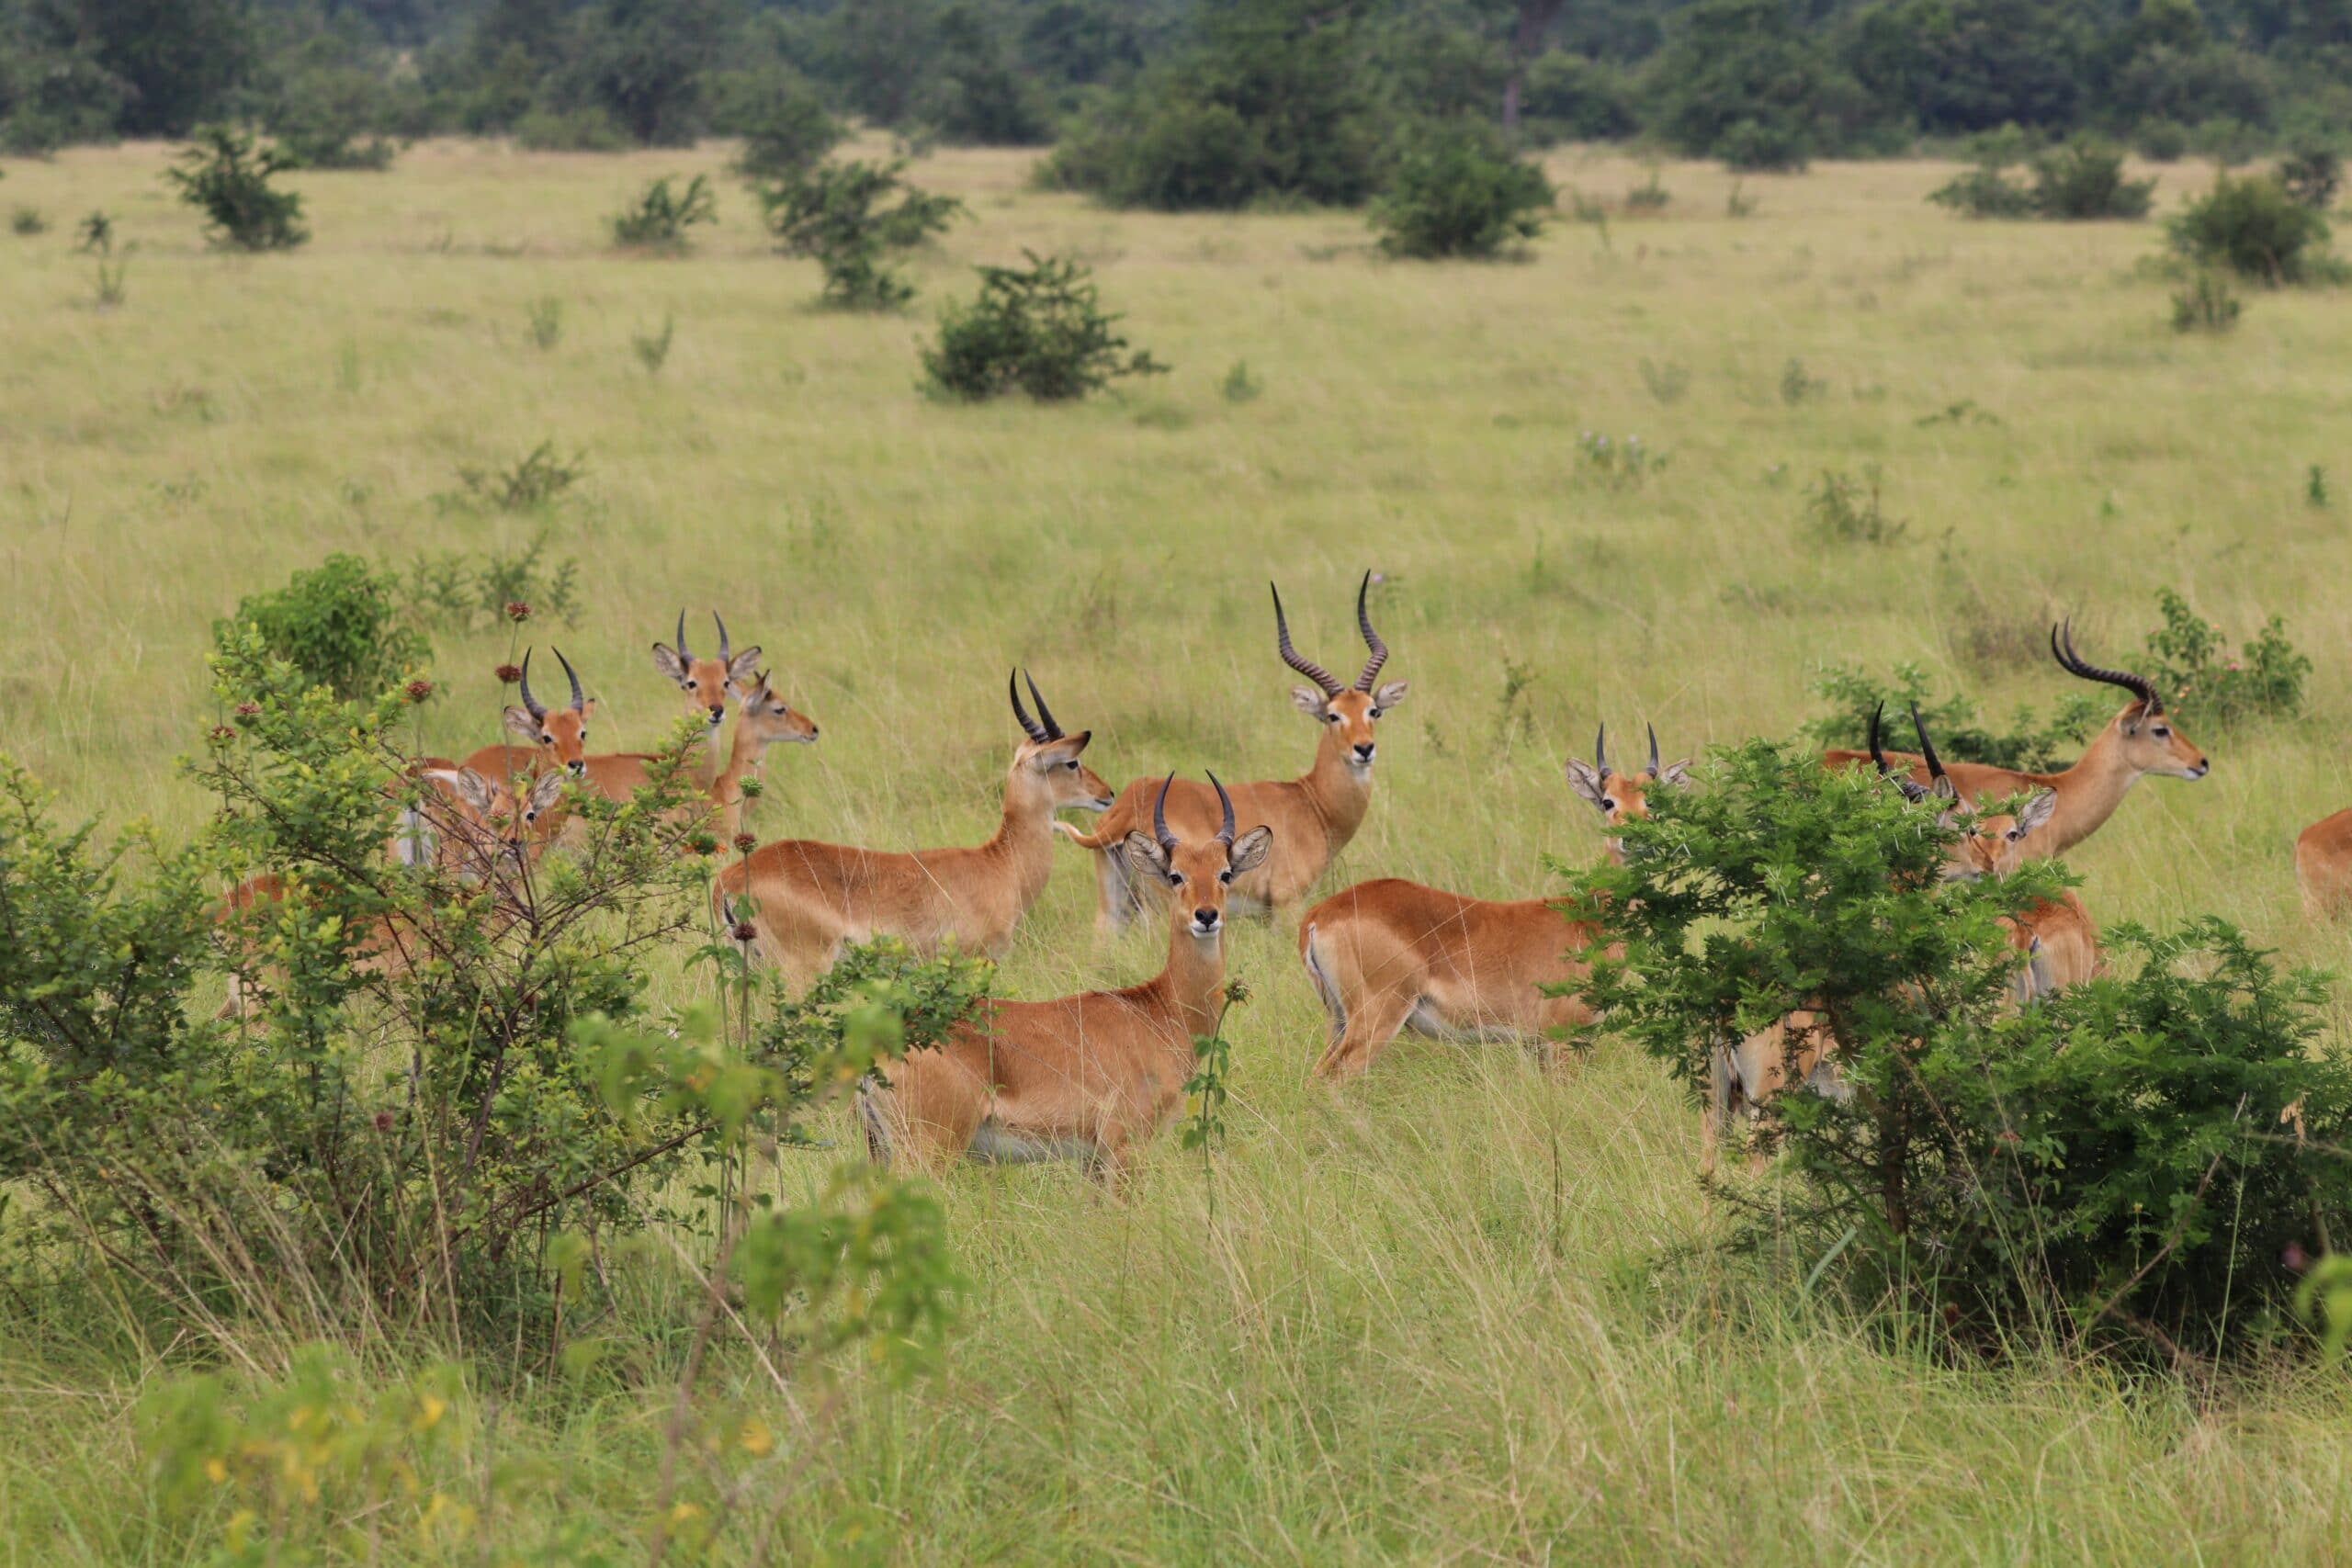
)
(2139, 742)
(500, 830)
(1389, 954)
(1089, 1076)
(767, 720)
(806, 900)
(2324, 866)
(1315, 814)
(708, 684)
(552, 738)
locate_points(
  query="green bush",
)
(1853, 695)
(334, 119)
(1457, 191)
(2126, 1163)
(2084, 180)
(337, 625)
(658, 219)
(2205, 304)
(226, 176)
(785, 125)
(569, 130)
(2311, 176)
(1984, 191)
(2190, 664)
(1570, 99)
(851, 217)
(1037, 330)
(2253, 227)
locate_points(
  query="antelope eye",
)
(1175, 879)
(2163, 732)
(1331, 719)
(546, 740)
(1607, 804)
(1377, 712)
(1071, 764)
(1225, 875)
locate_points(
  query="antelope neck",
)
(1340, 794)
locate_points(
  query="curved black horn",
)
(1159, 817)
(1601, 749)
(1927, 747)
(1029, 727)
(1371, 638)
(2072, 663)
(1045, 715)
(1307, 667)
(1878, 754)
(1224, 834)
(682, 639)
(531, 704)
(579, 698)
(722, 637)
(1653, 730)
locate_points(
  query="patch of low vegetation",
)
(538, 478)
(854, 219)
(2206, 303)
(474, 591)
(2032, 743)
(1850, 509)
(2253, 227)
(1456, 191)
(2189, 660)
(1038, 330)
(336, 627)
(228, 175)
(1619, 464)
(2077, 181)
(28, 221)
(660, 218)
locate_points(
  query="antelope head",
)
(1619, 796)
(2151, 744)
(1045, 768)
(514, 826)
(1197, 875)
(1349, 710)
(768, 718)
(1990, 844)
(562, 733)
(705, 682)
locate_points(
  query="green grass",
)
(1460, 1311)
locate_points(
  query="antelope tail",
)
(1101, 840)
(1318, 970)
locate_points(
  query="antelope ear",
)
(588, 708)
(1054, 753)
(666, 660)
(546, 791)
(1250, 850)
(1677, 774)
(740, 667)
(520, 724)
(2037, 812)
(1390, 695)
(1310, 701)
(1944, 789)
(474, 792)
(1585, 778)
(1145, 855)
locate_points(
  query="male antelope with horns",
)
(2137, 743)
(1313, 816)
(1089, 1076)
(708, 684)
(801, 902)
(1390, 954)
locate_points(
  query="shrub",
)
(2190, 664)
(1619, 465)
(1766, 145)
(1649, 195)
(570, 131)
(2163, 141)
(2311, 176)
(653, 349)
(2252, 227)
(2205, 304)
(1666, 382)
(1456, 191)
(1846, 510)
(2129, 1163)
(337, 626)
(469, 591)
(1984, 191)
(227, 177)
(28, 221)
(658, 219)
(537, 478)
(1798, 385)
(544, 325)
(1568, 97)
(1240, 385)
(2084, 180)
(851, 218)
(1037, 330)
(1853, 695)
(783, 123)
(332, 118)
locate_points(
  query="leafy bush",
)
(2252, 227)
(851, 217)
(2190, 664)
(1844, 509)
(1984, 191)
(2129, 1162)
(544, 323)
(2205, 304)
(783, 123)
(653, 349)
(2311, 176)
(337, 625)
(1853, 695)
(1457, 191)
(332, 119)
(658, 219)
(1570, 99)
(537, 478)
(28, 221)
(1037, 330)
(226, 177)
(2082, 180)
(469, 591)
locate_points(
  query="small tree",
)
(2310, 174)
(226, 176)
(1456, 191)
(2084, 180)
(337, 626)
(1037, 330)
(852, 218)
(2252, 227)
(658, 219)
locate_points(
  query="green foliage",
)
(2080, 180)
(1457, 190)
(2206, 303)
(28, 221)
(2189, 662)
(1619, 464)
(653, 349)
(658, 219)
(1984, 191)
(468, 591)
(536, 480)
(784, 122)
(337, 626)
(333, 118)
(1571, 98)
(1853, 694)
(1740, 81)
(1240, 385)
(1799, 385)
(545, 325)
(1841, 508)
(851, 217)
(226, 176)
(2312, 175)
(2251, 226)
(2107, 1164)
(1037, 330)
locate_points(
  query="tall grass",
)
(1463, 1310)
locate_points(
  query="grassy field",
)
(1460, 1311)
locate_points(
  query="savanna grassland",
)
(1462, 1310)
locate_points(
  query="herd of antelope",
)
(1094, 1075)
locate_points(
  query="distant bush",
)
(570, 131)
(537, 479)
(2253, 227)
(2082, 180)
(1984, 191)
(783, 121)
(1457, 191)
(1799, 385)
(338, 626)
(1570, 99)
(1650, 196)
(469, 591)
(1846, 509)
(1619, 464)
(653, 349)
(851, 217)
(1037, 330)
(226, 176)
(332, 119)
(2163, 141)
(658, 219)
(1853, 695)
(2311, 176)
(544, 324)
(2190, 664)
(28, 221)
(2206, 303)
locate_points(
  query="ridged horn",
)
(723, 650)
(1371, 638)
(1653, 730)
(2062, 649)
(1291, 656)
(1601, 749)
(531, 704)
(1029, 727)
(683, 654)
(1045, 715)
(579, 698)
(1159, 817)
(1224, 834)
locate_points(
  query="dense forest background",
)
(1177, 103)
